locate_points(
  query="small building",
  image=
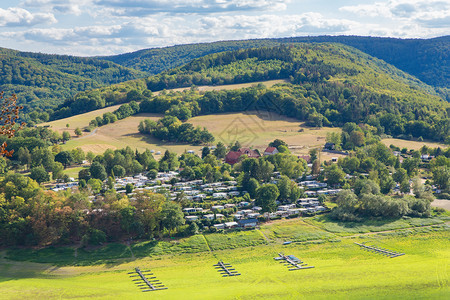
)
(271, 151)
(243, 203)
(246, 211)
(231, 182)
(220, 195)
(231, 224)
(211, 216)
(233, 157)
(250, 153)
(282, 213)
(191, 218)
(311, 193)
(219, 226)
(248, 223)
(253, 215)
(311, 209)
(283, 207)
(426, 157)
(295, 211)
(239, 216)
(189, 210)
(217, 207)
(320, 208)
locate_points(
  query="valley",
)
(175, 159)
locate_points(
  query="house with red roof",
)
(271, 151)
(233, 157)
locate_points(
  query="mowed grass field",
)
(342, 270)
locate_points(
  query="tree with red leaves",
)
(8, 117)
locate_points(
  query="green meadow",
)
(342, 270)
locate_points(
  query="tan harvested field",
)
(80, 121)
(115, 136)
(411, 144)
(83, 120)
(254, 129)
(258, 129)
(205, 88)
(442, 203)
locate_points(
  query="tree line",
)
(171, 129)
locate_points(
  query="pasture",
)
(342, 270)
(82, 120)
(254, 129)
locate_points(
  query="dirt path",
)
(262, 233)
(89, 134)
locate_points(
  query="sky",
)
(108, 27)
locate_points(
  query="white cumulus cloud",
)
(274, 25)
(70, 7)
(16, 16)
(402, 9)
(148, 7)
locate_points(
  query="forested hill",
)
(43, 80)
(330, 84)
(426, 59)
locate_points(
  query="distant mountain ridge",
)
(44, 81)
(328, 84)
(426, 59)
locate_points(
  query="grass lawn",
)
(236, 239)
(295, 230)
(192, 244)
(73, 171)
(342, 271)
(346, 228)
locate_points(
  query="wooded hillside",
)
(330, 84)
(426, 59)
(42, 81)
